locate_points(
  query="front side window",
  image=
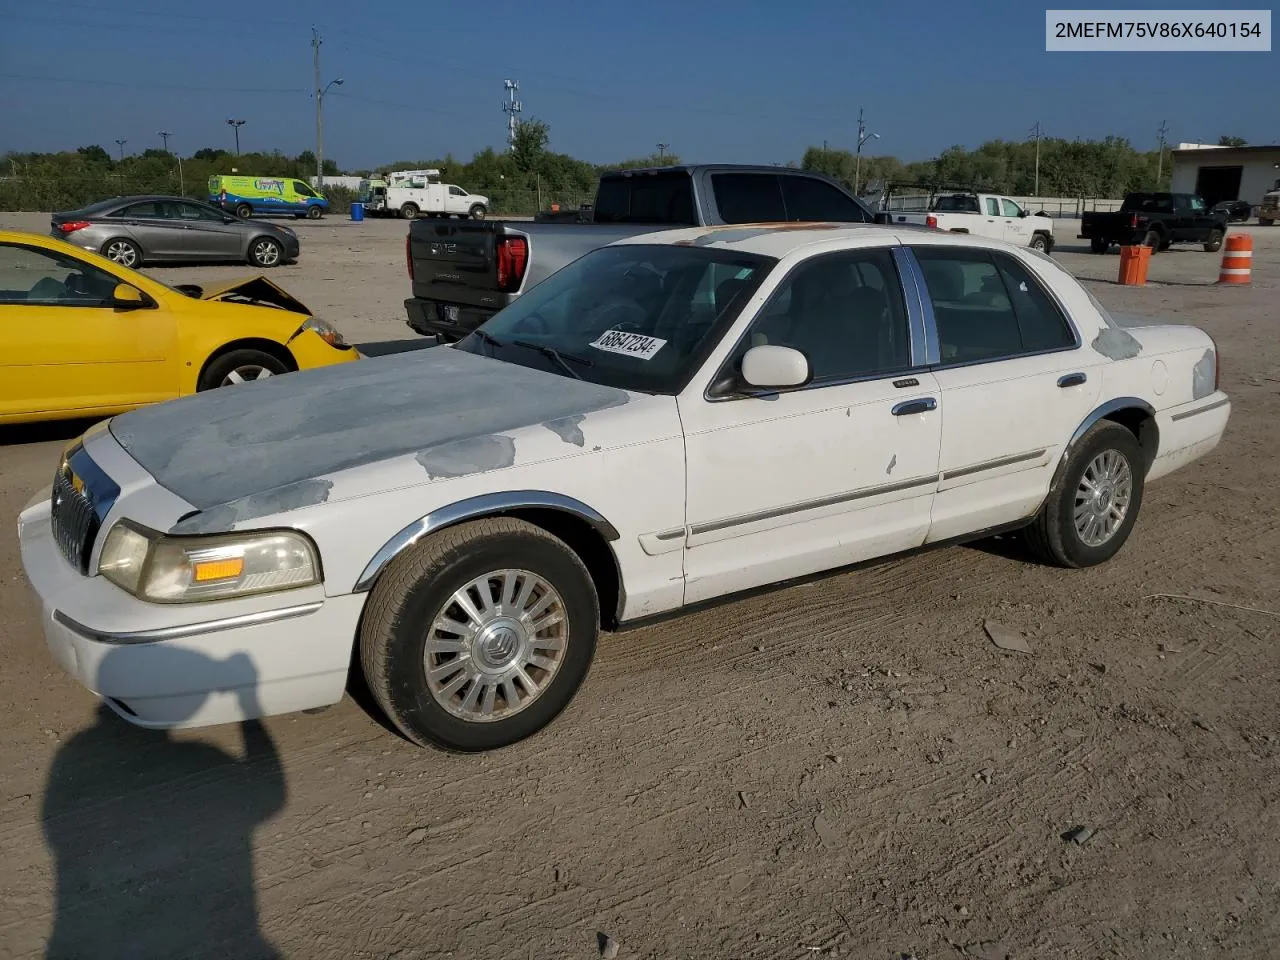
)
(988, 306)
(37, 277)
(748, 197)
(634, 316)
(845, 312)
(1011, 209)
(457, 192)
(303, 189)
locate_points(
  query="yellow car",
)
(81, 336)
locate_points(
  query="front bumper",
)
(188, 665)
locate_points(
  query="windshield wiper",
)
(552, 354)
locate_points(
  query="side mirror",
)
(127, 297)
(1022, 213)
(773, 367)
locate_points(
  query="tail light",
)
(71, 226)
(1133, 221)
(931, 221)
(513, 258)
(408, 254)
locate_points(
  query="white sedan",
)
(671, 419)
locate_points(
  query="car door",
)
(153, 227)
(832, 473)
(210, 235)
(1016, 379)
(65, 347)
(1017, 228)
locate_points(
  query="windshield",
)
(637, 317)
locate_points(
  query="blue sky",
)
(744, 81)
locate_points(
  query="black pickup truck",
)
(1155, 220)
(463, 272)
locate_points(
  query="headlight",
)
(162, 569)
(326, 331)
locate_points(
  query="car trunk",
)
(454, 261)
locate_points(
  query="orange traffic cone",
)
(1237, 259)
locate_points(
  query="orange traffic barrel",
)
(1237, 259)
(1134, 261)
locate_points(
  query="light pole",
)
(662, 150)
(320, 128)
(863, 137)
(236, 125)
(120, 144)
(164, 136)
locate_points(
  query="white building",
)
(1225, 173)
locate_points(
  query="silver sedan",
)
(135, 230)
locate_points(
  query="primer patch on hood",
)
(569, 430)
(462, 458)
(253, 438)
(293, 496)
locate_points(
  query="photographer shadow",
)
(152, 836)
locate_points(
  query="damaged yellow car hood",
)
(255, 291)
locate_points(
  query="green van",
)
(245, 196)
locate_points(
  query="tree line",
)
(531, 176)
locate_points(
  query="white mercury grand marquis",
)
(670, 419)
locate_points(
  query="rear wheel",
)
(265, 252)
(1094, 501)
(1154, 241)
(1214, 242)
(481, 635)
(240, 366)
(409, 211)
(122, 251)
(244, 211)
(1098, 245)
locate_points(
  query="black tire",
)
(1154, 241)
(409, 211)
(417, 589)
(1214, 243)
(1053, 536)
(477, 211)
(123, 251)
(1098, 245)
(265, 252)
(1040, 241)
(244, 211)
(1265, 223)
(242, 362)
(314, 212)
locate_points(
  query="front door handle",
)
(908, 407)
(1072, 379)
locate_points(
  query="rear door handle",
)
(1072, 379)
(909, 407)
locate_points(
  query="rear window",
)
(659, 198)
(1148, 203)
(748, 197)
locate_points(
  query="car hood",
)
(270, 439)
(255, 291)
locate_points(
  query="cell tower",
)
(511, 107)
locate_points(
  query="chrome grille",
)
(83, 495)
(75, 524)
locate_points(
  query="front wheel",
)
(1098, 245)
(1094, 501)
(1040, 242)
(265, 252)
(477, 211)
(239, 366)
(1214, 242)
(314, 212)
(480, 636)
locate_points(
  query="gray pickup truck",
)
(464, 272)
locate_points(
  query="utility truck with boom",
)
(410, 193)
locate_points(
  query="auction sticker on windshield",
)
(628, 344)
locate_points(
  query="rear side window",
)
(989, 307)
(748, 197)
(663, 198)
(1040, 321)
(808, 199)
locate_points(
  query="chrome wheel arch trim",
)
(473, 508)
(1115, 406)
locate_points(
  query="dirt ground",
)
(848, 768)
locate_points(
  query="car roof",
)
(780, 239)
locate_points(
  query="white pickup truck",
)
(409, 193)
(984, 214)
